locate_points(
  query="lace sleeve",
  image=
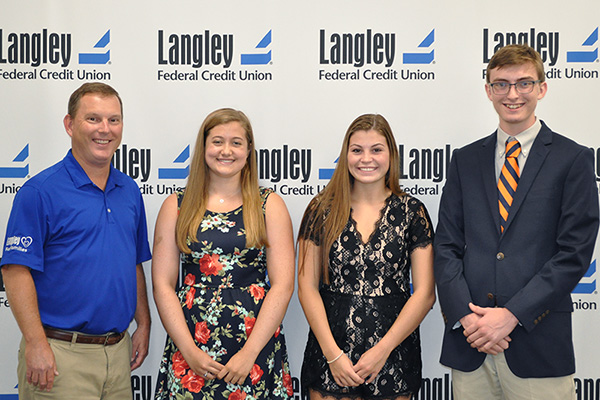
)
(420, 228)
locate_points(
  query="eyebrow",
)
(99, 114)
(233, 138)
(375, 145)
(525, 78)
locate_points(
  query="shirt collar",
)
(525, 138)
(80, 178)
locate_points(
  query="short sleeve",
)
(420, 230)
(264, 195)
(143, 246)
(26, 230)
(179, 193)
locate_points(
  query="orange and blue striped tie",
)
(509, 179)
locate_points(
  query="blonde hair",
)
(193, 204)
(328, 212)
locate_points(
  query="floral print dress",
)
(224, 285)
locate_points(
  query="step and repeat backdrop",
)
(302, 71)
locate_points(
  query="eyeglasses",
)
(522, 87)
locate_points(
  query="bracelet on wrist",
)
(335, 359)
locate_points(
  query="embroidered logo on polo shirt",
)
(19, 243)
(26, 241)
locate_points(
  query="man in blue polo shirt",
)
(72, 268)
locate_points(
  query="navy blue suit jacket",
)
(533, 266)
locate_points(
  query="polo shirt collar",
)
(80, 178)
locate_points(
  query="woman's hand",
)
(343, 372)
(370, 363)
(237, 368)
(203, 364)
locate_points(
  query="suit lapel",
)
(488, 175)
(537, 155)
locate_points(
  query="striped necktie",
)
(509, 179)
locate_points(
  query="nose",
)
(226, 149)
(104, 125)
(512, 91)
(367, 156)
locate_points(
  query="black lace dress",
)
(369, 285)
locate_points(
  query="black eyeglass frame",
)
(504, 87)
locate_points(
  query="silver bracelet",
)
(335, 359)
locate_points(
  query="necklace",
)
(222, 199)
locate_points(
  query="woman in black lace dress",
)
(360, 240)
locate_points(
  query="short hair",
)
(516, 54)
(98, 88)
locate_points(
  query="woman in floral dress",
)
(223, 319)
(360, 240)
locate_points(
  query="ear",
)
(543, 90)
(68, 123)
(488, 91)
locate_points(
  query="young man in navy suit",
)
(517, 226)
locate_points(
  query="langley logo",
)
(262, 58)
(177, 173)
(327, 173)
(585, 56)
(421, 58)
(35, 49)
(587, 285)
(196, 49)
(97, 58)
(357, 49)
(17, 172)
(133, 162)
(545, 43)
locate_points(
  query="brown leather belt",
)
(74, 337)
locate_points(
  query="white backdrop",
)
(420, 64)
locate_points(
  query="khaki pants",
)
(86, 372)
(493, 380)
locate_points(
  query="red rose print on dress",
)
(189, 298)
(287, 383)
(179, 364)
(192, 382)
(189, 280)
(249, 324)
(202, 332)
(255, 374)
(210, 265)
(237, 395)
(257, 292)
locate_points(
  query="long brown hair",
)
(193, 205)
(328, 212)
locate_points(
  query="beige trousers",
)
(86, 372)
(495, 381)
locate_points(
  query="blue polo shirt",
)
(82, 245)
